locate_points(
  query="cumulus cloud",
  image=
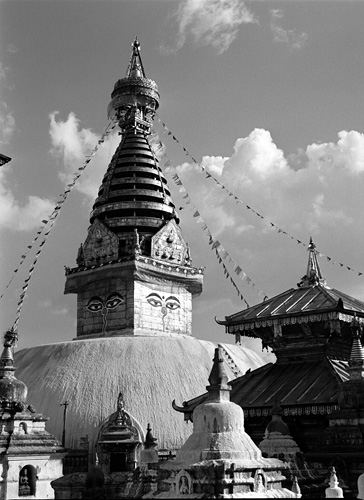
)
(16, 216)
(3, 72)
(71, 143)
(7, 120)
(7, 123)
(314, 192)
(280, 35)
(211, 22)
(13, 49)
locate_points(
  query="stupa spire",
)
(134, 263)
(135, 68)
(313, 274)
(218, 388)
(13, 392)
(7, 356)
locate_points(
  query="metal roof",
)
(292, 384)
(4, 159)
(312, 297)
(309, 300)
(308, 385)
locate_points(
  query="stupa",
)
(134, 282)
(30, 456)
(219, 459)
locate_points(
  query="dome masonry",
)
(151, 372)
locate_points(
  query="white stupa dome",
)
(149, 371)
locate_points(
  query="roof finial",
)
(150, 441)
(218, 378)
(313, 274)
(7, 356)
(135, 68)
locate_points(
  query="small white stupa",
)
(220, 459)
(277, 438)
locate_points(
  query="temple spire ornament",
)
(313, 274)
(135, 68)
(218, 379)
(13, 392)
(135, 98)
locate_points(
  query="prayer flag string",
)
(248, 207)
(47, 224)
(221, 253)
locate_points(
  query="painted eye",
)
(94, 305)
(114, 301)
(155, 302)
(172, 304)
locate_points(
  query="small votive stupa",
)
(30, 457)
(219, 459)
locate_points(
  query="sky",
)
(266, 96)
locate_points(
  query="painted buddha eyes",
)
(113, 301)
(154, 301)
(170, 302)
(96, 304)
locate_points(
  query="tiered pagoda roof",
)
(324, 316)
(310, 329)
(303, 388)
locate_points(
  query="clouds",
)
(313, 192)
(71, 144)
(347, 153)
(217, 22)
(17, 216)
(14, 214)
(211, 22)
(7, 123)
(290, 37)
(7, 120)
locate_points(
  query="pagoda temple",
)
(135, 283)
(316, 333)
